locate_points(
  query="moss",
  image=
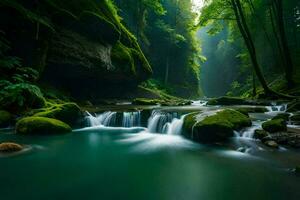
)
(227, 101)
(69, 113)
(275, 125)
(295, 117)
(246, 111)
(144, 101)
(5, 119)
(8, 147)
(41, 126)
(260, 134)
(217, 127)
(293, 107)
(284, 116)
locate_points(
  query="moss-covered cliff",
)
(74, 44)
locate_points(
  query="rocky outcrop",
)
(10, 147)
(214, 127)
(41, 126)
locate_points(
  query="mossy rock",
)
(248, 110)
(293, 106)
(227, 101)
(144, 101)
(284, 116)
(275, 125)
(41, 126)
(260, 134)
(69, 113)
(5, 119)
(272, 144)
(9, 147)
(295, 117)
(217, 127)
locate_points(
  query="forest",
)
(162, 99)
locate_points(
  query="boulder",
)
(144, 101)
(5, 119)
(260, 134)
(69, 113)
(275, 125)
(227, 101)
(216, 127)
(41, 126)
(247, 110)
(284, 116)
(9, 147)
(272, 144)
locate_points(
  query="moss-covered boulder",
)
(284, 116)
(275, 125)
(9, 147)
(260, 134)
(41, 126)
(272, 144)
(227, 101)
(247, 110)
(5, 119)
(69, 113)
(144, 101)
(216, 127)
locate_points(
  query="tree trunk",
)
(286, 51)
(243, 27)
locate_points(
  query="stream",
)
(140, 154)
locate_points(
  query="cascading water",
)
(277, 108)
(175, 127)
(131, 119)
(104, 119)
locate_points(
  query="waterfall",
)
(161, 122)
(249, 132)
(277, 108)
(104, 119)
(131, 119)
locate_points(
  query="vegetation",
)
(41, 126)
(275, 125)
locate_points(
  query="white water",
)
(104, 119)
(249, 132)
(131, 119)
(199, 103)
(175, 127)
(159, 122)
(276, 109)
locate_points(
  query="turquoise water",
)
(113, 164)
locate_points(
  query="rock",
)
(227, 101)
(144, 101)
(297, 170)
(275, 125)
(41, 126)
(284, 116)
(9, 147)
(248, 110)
(260, 134)
(293, 106)
(5, 119)
(214, 128)
(272, 144)
(295, 117)
(69, 113)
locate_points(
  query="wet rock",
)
(41, 126)
(272, 144)
(216, 127)
(5, 119)
(275, 125)
(284, 116)
(9, 147)
(260, 134)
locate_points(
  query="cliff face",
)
(83, 48)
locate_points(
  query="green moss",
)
(217, 127)
(284, 116)
(9, 147)
(5, 119)
(246, 111)
(260, 134)
(69, 113)
(275, 125)
(144, 101)
(41, 126)
(227, 101)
